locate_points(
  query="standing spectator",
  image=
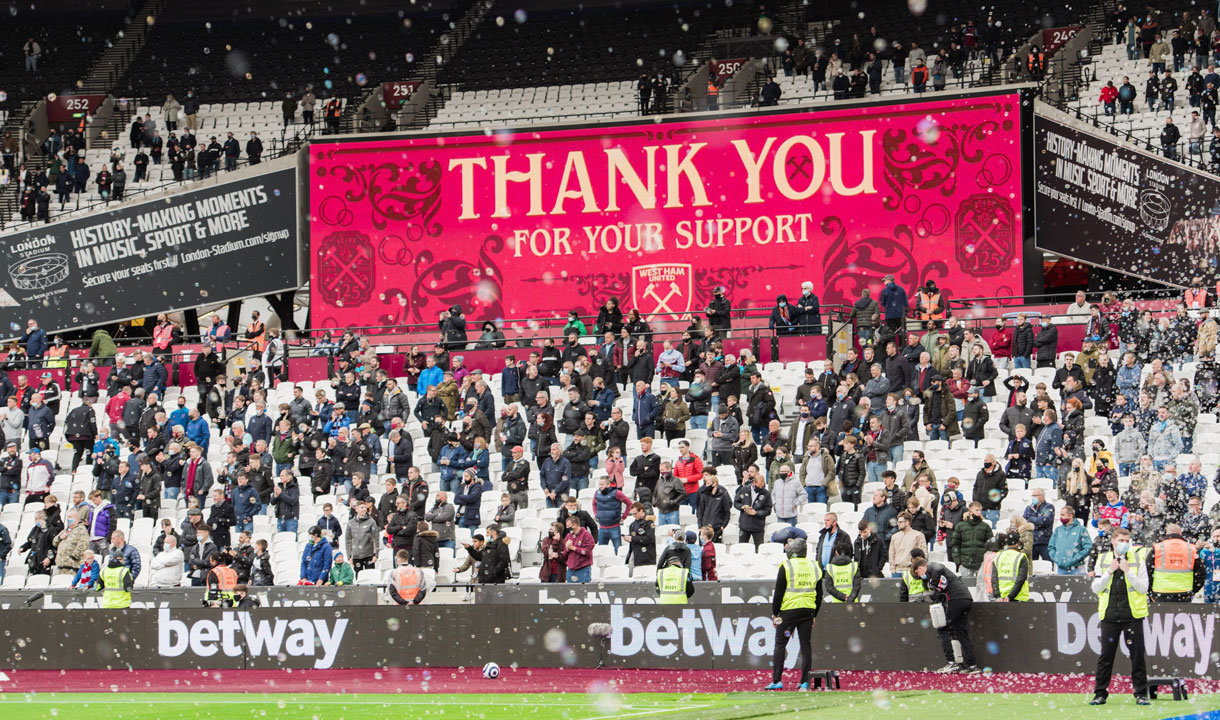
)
(902, 543)
(754, 504)
(714, 504)
(893, 303)
(611, 508)
(232, 149)
(643, 542)
(1069, 546)
(1109, 96)
(32, 51)
(990, 488)
(288, 108)
(254, 149)
(308, 102)
(870, 552)
(578, 547)
(969, 540)
(1041, 515)
(1170, 136)
(190, 108)
(169, 110)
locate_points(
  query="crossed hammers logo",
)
(663, 303)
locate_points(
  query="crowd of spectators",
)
(583, 422)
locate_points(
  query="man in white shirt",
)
(1079, 310)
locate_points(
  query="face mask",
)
(1065, 521)
(1121, 548)
(783, 304)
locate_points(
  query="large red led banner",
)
(532, 223)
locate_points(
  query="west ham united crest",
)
(986, 241)
(346, 264)
(663, 288)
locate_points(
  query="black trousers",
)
(802, 626)
(1132, 632)
(359, 564)
(957, 627)
(81, 451)
(754, 536)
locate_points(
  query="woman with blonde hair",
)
(1075, 489)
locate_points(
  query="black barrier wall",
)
(206, 246)
(1043, 588)
(1049, 637)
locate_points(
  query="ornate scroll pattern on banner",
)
(929, 157)
(852, 265)
(476, 284)
(409, 194)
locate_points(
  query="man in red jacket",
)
(1001, 343)
(578, 551)
(689, 469)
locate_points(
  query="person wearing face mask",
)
(1122, 593)
(574, 325)
(1010, 582)
(783, 320)
(1070, 545)
(800, 432)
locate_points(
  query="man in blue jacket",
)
(644, 410)
(893, 303)
(156, 377)
(1042, 515)
(246, 503)
(453, 460)
(555, 474)
(316, 559)
(35, 339)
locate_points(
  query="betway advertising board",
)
(658, 213)
(205, 246)
(1026, 637)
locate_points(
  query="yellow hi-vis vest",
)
(113, 594)
(1007, 563)
(842, 576)
(1137, 600)
(802, 576)
(672, 582)
(1174, 562)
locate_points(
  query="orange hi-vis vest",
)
(257, 333)
(712, 88)
(928, 301)
(1196, 297)
(163, 335)
(1173, 560)
(226, 578)
(406, 582)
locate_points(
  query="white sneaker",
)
(950, 668)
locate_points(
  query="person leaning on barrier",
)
(221, 582)
(406, 582)
(947, 588)
(116, 582)
(1012, 572)
(673, 583)
(913, 589)
(1175, 572)
(794, 609)
(841, 583)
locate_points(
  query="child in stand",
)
(86, 577)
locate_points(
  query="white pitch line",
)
(673, 708)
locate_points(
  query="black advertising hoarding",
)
(1010, 637)
(202, 247)
(1042, 588)
(1106, 203)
